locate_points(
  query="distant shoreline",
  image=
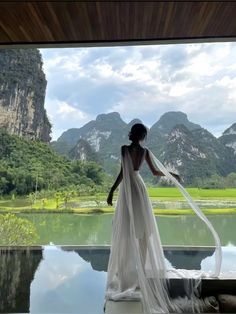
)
(95, 211)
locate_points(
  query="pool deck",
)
(122, 307)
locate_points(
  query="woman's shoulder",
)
(141, 149)
(123, 148)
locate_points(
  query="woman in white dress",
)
(136, 268)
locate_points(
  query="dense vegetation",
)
(217, 182)
(27, 166)
(17, 231)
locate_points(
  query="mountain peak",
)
(172, 118)
(174, 114)
(134, 121)
(83, 151)
(230, 130)
(180, 127)
(179, 131)
(229, 137)
(108, 116)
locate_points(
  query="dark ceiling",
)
(94, 23)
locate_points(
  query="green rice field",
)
(165, 200)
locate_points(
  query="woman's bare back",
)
(137, 155)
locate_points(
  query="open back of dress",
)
(136, 268)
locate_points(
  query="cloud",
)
(65, 283)
(64, 116)
(142, 82)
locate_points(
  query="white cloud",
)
(202, 65)
(193, 48)
(180, 89)
(227, 81)
(142, 82)
(64, 116)
(104, 70)
(50, 63)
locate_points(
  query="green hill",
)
(27, 166)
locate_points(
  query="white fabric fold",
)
(196, 209)
(136, 268)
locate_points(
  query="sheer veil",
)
(136, 268)
(196, 209)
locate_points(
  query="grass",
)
(110, 210)
(156, 194)
(173, 193)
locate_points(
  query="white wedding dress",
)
(136, 268)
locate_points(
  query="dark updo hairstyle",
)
(138, 132)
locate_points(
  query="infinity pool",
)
(72, 279)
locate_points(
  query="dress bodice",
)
(128, 157)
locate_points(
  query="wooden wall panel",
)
(70, 21)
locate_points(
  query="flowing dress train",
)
(136, 268)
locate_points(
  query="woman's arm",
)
(114, 187)
(156, 172)
(117, 182)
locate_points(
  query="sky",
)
(141, 82)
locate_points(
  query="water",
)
(66, 280)
(72, 229)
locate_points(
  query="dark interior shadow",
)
(17, 269)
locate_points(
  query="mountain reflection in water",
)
(72, 279)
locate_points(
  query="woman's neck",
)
(135, 143)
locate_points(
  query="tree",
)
(28, 166)
(17, 231)
(230, 180)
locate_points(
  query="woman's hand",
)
(109, 198)
(176, 176)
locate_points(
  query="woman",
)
(136, 268)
